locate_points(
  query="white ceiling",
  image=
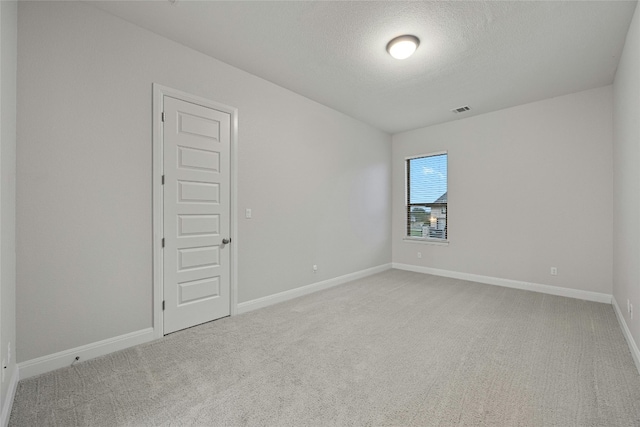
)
(487, 54)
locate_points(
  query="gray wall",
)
(529, 188)
(316, 180)
(626, 181)
(8, 45)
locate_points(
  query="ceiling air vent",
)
(461, 109)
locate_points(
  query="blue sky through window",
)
(427, 178)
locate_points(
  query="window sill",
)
(423, 241)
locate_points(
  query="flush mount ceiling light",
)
(403, 47)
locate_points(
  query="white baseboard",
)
(8, 399)
(507, 283)
(627, 335)
(255, 304)
(65, 358)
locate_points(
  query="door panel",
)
(196, 214)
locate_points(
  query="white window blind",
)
(427, 197)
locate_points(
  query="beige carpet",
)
(397, 348)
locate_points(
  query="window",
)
(427, 197)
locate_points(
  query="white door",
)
(197, 202)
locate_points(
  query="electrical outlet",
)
(419, 254)
(4, 369)
(631, 311)
(628, 306)
(554, 271)
(247, 213)
(9, 353)
(315, 268)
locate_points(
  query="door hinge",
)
(162, 116)
(163, 242)
(162, 179)
(162, 305)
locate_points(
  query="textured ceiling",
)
(487, 54)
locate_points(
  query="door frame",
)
(159, 92)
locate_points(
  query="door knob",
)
(226, 241)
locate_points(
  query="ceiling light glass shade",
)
(403, 47)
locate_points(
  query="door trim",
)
(159, 92)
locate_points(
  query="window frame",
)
(408, 206)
